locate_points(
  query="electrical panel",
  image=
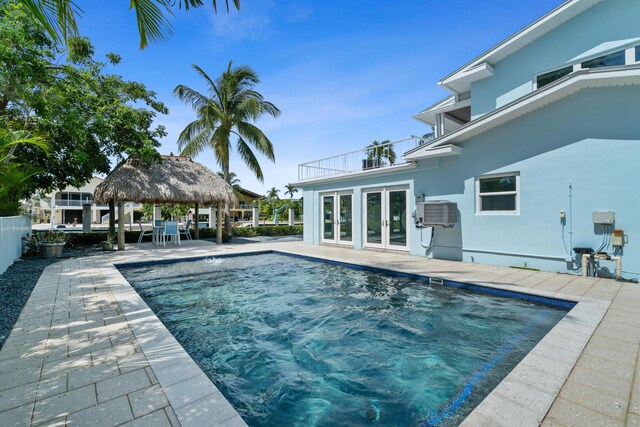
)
(436, 212)
(603, 217)
(617, 238)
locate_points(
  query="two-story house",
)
(537, 144)
(66, 205)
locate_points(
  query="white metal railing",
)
(371, 157)
(63, 202)
(12, 230)
(79, 203)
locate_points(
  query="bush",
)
(268, 230)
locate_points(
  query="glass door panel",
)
(397, 218)
(328, 232)
(345, 221)
(374, 218)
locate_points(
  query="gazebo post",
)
(196, 234)
(121, 225)
(219, 221)
(112, 216)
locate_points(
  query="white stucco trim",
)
(575, 82)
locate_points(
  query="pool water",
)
(293, 342)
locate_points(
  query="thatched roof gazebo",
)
(174, 179)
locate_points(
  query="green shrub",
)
(268, 230)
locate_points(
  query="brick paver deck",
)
(87, 350)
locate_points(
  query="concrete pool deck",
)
(87, 350)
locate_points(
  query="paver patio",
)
(87, 350)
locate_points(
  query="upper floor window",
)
(498, 194)
(620, 57)
(552, 76)
(610, 60)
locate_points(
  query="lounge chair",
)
(170, 230)
(144, 232)
(186, 231)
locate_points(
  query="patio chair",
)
(144, 232)
(186, 231)
(170, 230)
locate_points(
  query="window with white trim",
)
(612, 59)
(498, 194)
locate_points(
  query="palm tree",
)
(234, 181)
(230, 105)
(272, 197)
(290, 190)
(381, 150)
(58, 17)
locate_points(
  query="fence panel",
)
(12, 229)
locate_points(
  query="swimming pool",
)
(290, 341)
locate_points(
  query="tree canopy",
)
(85, 116)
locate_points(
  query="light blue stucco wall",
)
(590, 140)
(597, 29)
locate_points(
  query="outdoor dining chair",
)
(186, 231)
(170, 230)
(144, 232)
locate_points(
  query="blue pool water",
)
(293, 342)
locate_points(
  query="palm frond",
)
(249, 159)
(257, 138)
(190, 96)
(58, 17)
(152, 22)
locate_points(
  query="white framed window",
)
(498, 194)
(626, 56)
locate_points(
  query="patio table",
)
(157, 234)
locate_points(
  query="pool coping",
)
(534, 383)
(191, 394)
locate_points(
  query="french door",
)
(337, 218)
(386, 218)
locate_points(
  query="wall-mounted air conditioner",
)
(436, 212)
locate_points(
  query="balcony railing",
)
(60, 203)
(63, 202)
(368, 158)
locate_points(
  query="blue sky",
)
(343, 73)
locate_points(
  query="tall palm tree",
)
(58, 17)
(229, 107)
(290, 190)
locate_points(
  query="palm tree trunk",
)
(227, 208)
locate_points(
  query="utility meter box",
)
(437, 212)
(603, 217)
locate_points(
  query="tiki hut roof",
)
(173, 180)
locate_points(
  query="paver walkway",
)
(87, 350)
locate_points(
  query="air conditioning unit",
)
(436, 212)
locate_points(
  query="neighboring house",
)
(246, 201)
(242, 211)
(538, 133)
(67, 205)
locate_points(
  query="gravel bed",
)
(19, 280)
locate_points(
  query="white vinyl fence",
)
(12, 229)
